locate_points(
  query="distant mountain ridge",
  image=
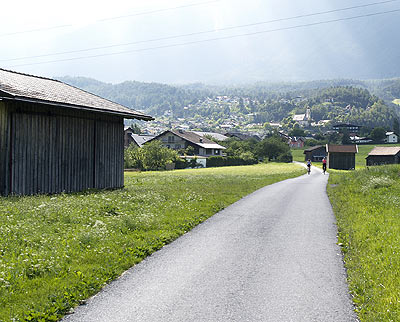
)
(157, 98)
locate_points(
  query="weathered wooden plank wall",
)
(3, 148)
(52, 153)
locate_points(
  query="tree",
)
(135, 128)
(396, 126)
(271, 148)
(156, 156)
(152, 156)
(345, 137)
(297, 131)
(378, 134)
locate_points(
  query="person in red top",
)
(324, 165)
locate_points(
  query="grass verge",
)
(366, 204)
(56, 251)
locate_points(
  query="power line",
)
(34, 30)
(111, 18)
(200, 32)
(213, 39)
(159, 10)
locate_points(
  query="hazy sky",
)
(356, 48)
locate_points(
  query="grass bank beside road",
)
(56, 251)
(367, 207)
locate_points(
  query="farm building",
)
(315, 153)
(383, 155)
(55, 137)
(341, 157)
(180, 139)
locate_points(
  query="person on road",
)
(308, 166)
(324, 164)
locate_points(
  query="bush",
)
(152, 156)
(228, 161)
(286, 158)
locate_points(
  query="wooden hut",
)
(315, 153)
(341, 157)
(55, 137)
(384, 155)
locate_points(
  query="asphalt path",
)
(272, 256)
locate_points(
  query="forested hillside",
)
(336, 100)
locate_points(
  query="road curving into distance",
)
(272, 256)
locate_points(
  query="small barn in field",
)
(315, 153)
(341, 157)
(55, 137)
(384, 155)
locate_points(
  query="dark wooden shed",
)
(384, 155)
(315, 153)
(55, 137)
(341, 157)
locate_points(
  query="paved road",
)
(272, 256)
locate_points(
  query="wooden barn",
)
(341, 157)
(315, 153)
(384, 155)
(55, 137)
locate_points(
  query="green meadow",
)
(366, 203)
(56, 251)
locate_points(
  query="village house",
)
(315, 153)
(296, 142)
(392, 137)
(383, 155)
(180, 139)
(214, 135)
(351, 129)
(242, 136)
(57, 138)
(341, 157)
(128, 131)
(136, 139)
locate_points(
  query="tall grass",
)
(55, 251)
(367, 207)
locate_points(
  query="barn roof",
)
(384, 150)
(314, 148)
(29, 88)
(330, 148)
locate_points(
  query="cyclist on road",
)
(324, 164)
(308, 166)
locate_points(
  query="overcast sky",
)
(356, 48)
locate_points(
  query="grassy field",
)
(366, 204)
(363, 151)
(56, 251)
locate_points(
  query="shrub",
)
(152, 156)
(228, 161)
(285, 157)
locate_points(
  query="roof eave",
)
(81, 107)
